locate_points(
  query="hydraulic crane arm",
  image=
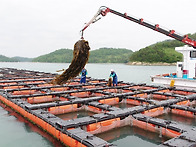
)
(171, 33)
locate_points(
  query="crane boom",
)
(171, 33)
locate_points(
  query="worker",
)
(114, 76)
(83, 74)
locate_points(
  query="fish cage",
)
(82, 114)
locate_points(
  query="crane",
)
(171, 33)
(81, 47)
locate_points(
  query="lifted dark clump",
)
(80, 58)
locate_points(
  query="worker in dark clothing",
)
(114, 77)
(83, 75)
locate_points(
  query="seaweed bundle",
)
(80, 58)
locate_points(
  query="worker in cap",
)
(113, 75)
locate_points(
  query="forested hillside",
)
(110, 55)
(103, 55)
(22, 59)
(58, 56)
(160, 52)
(7, 59)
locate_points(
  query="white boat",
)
(185, 76)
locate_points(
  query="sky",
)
(30, 28)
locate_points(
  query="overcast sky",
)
(30, 28)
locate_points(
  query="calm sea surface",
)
(15, 131)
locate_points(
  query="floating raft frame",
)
(30, 94)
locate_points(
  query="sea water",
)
(18, 132)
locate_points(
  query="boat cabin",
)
(187, 68)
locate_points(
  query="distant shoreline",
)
(151, 64)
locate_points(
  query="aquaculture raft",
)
(30, 94)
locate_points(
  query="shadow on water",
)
(74, 115)
(179, 119)
(132, 136)
(124, 105)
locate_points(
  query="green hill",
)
(160, 52)
(22, 59)
(110, 55)
(7, 59)
(103, 55)
(58, 56)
